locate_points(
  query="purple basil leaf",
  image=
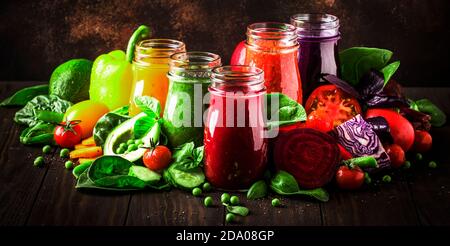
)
(383, 101)
(418, 119)
(341, 84)
(381, 127)
(371, 84)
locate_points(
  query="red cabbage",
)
(358, 137)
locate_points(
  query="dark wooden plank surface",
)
(46, 196)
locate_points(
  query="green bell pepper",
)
(111, 76)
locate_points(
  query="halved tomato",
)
(331, 104)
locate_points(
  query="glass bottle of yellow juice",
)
(150, 68)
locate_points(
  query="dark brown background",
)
(36, 36)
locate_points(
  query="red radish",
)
(396, 155)
(401, 129)
(349, 179)
(309, 155)
(422, 141)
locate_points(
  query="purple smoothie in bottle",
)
(318, 36)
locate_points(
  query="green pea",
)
(138, 141)
(432, 164)
(123, 145)
(132, 147)
(407, 165)
(46, 149)
(120, 150)
(234, 200)
(141, 145)
(196, 192)
(64, 153)
(39, 161)
(419, 157)
(276, 202)
(130, 141)
(367, 178)
(229, 217)
(387, 178)
(225, 198)
(207, 186)
(208, 201)
(68, 164)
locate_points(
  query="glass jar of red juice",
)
(318, 36)
(273, 47)
(235, 146)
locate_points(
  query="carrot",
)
(89, 152)
(81, 146)
(83, 160)
(88, 141)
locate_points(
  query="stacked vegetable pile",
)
(358, 125)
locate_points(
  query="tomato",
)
(88, 112)
(422, 141)
(401, 129)
(68, 134)
(345, 155)
(157, 158)
(238, 57)
(396, 155)
(349, 179)
(332, 105)
(320, 123)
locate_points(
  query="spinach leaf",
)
(285, 184)
(23, 96)
(438, 117)
(389, 70)
(49, 116)
(239, 210)
(41, 133)
(107, 123)
(28, 114)
(287, 110)
(257, 190)
(357, 61)
(80, 169)
(148, 105)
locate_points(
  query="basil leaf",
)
(257, 190)
(239, 210)
(148, 105)
(107, 123)
(318, 193)
(357, 61)
(389, 70)
(143, 125)
(183, 152)
(438, 117)
(41, 133)
(28, 114)
(287, 110)
(23, 96)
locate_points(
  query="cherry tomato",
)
(422, 141)
(157, 158)
(320, 123)
(88, 112)
(396, 154)
(345, 155)
(401, 129)
(349, 179)
(332, 104)
(68, 134)
(238, 57)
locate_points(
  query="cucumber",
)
(123, 132)
(186, 179)
(144, 174)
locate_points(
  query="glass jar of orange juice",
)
(150, 68)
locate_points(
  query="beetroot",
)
(309, 155)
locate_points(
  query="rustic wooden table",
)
(46, 196)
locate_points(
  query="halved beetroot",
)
(309, 155)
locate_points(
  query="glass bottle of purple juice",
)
(318, 36)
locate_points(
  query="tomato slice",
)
(332, 104)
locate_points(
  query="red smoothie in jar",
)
(235, 146)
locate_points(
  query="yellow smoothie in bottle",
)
(150, 68)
